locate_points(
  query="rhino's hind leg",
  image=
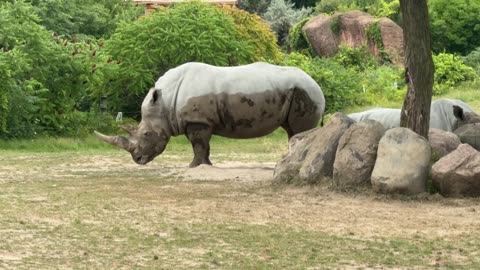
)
(199, 135)
(302, 115)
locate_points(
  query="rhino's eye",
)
(148, 134)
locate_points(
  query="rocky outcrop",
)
(469, 133)
(442, 142)
(402, 163)
(326, 33)
(312, 153)
(356, 154)
(458, 173)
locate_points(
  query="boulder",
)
(402, 164)
(458, 173)
(442, 142)
(312, 153)
(352, 27)
(356, 154)
(469, 133)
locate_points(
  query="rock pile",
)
(344, 153)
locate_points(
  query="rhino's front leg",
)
(199, 135)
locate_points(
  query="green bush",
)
(297, 41)
(450, 71)
(145, 49)
(473, 60)
(98, 18)
(340, 85)
(254, 6)
(384, 84)
(43, 78)
(255, 30)
(455, 25)
(377, 8)
(359, 58)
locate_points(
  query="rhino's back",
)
(197, 79)
(389, 118)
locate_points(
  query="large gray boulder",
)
(402, 164)
(356, 154)
(312, 153)
(469, 133)
(458, 173)
(442, 142)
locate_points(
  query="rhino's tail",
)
(321, 122)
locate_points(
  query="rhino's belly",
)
(239, 115)
(245, 129)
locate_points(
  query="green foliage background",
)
(188, 32)
(60, 58)
(455, 25)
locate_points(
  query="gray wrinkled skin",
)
(445, 114)
(199, 100)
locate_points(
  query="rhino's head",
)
(464, 117)
(150, 138)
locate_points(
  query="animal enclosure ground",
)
(101, 211)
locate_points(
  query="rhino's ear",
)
(156, 95)
(458, 112)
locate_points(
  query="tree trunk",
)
(418, 66)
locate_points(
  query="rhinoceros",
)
(445, 114)
(199, 100)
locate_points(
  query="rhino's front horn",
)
(119, 141)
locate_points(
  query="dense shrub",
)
(281, 15)
(185, 32)
(473, 60)
(384, 84)
(254, 29)
(450, 71)
(98, 18)
(340, 85)
(254, 6)
(377, 8)
(359, 58)
(455, 25)
(296, 40)
(43, 78)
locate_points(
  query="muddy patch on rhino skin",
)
(239, 115)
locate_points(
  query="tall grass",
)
(278, 139)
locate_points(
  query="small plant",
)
(297, 40)
(335, 24)
(374, 33)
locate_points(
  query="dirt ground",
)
(235, 192)
(364, 213)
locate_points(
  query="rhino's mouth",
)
(142, 160)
